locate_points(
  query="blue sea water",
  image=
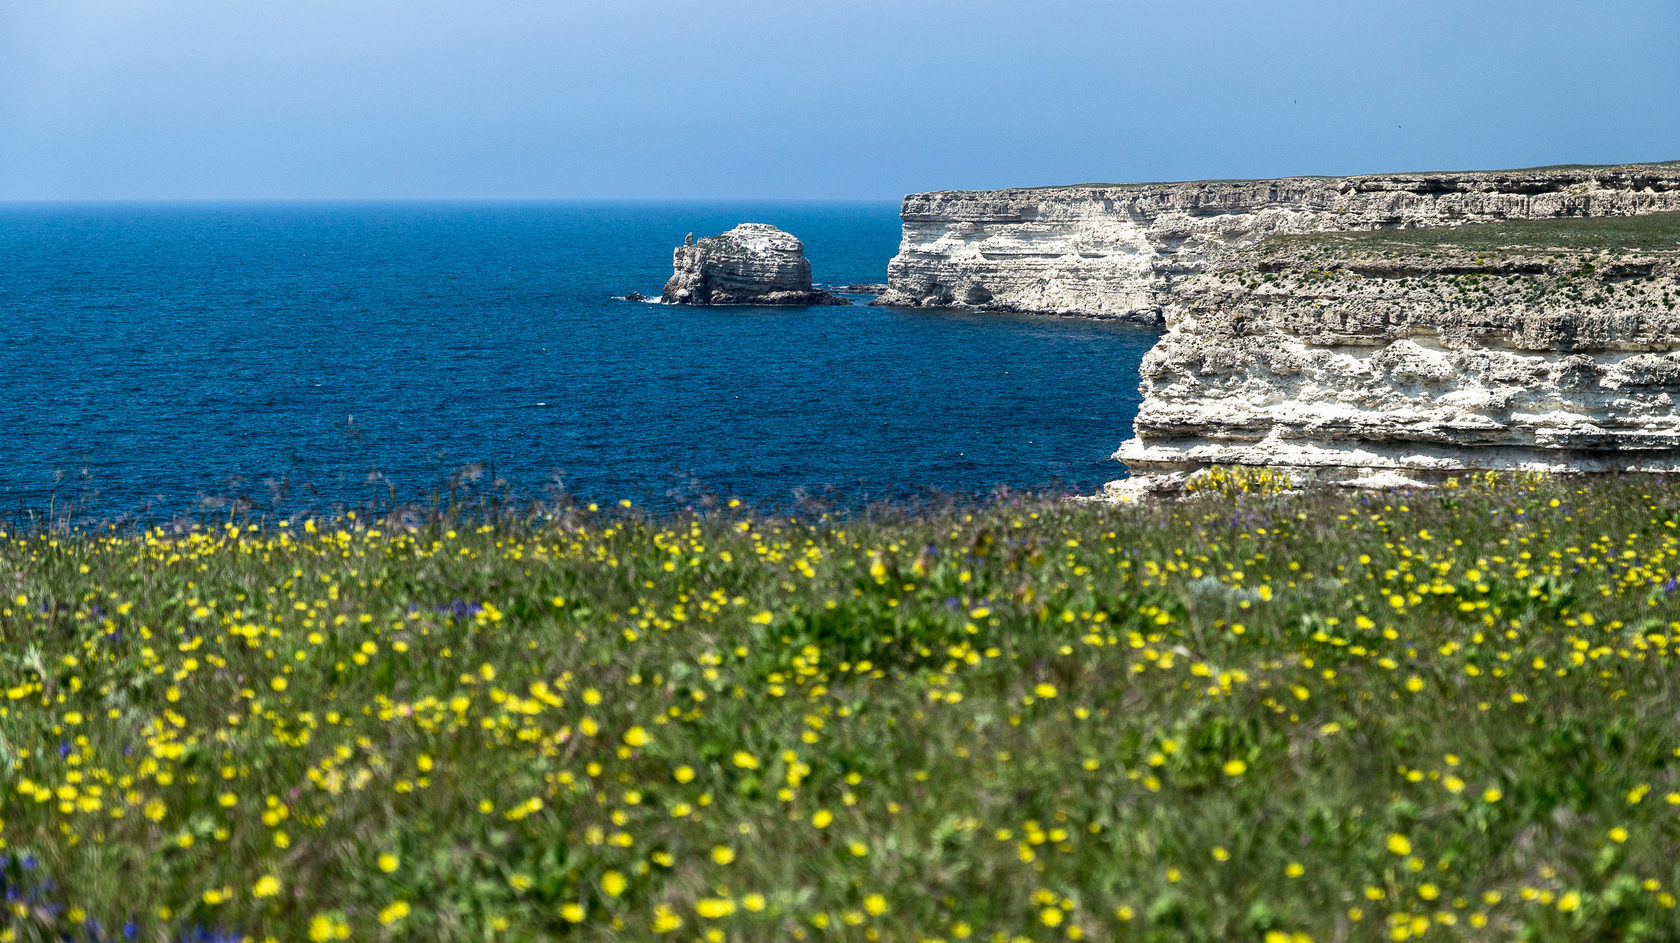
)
(165, 359)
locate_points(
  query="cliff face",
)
(752, 264)
(1546, 346)
(1119, 250)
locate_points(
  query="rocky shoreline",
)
(1377, 330)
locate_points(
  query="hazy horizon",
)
(440, 200)
(441, 100)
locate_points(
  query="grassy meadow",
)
(1324, 716)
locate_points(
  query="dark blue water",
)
(167, 359)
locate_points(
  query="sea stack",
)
(752, 264)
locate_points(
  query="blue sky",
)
(848, 99)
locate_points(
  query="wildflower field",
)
(1444, 715)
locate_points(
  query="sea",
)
(163, 361)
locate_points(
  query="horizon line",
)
(323, 200)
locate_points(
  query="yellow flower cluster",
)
(1230, 480)
(1316, 717)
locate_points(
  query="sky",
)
(807, 99)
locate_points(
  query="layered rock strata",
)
(752, 264)
(1119, 250)
(1544, 346)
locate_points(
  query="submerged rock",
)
(752, 264)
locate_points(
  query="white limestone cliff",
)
(1544, 346)
(1119, 250)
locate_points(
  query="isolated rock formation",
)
(1546, 346)
(1118, 250)
(752, 264)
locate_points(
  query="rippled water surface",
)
(172, 358)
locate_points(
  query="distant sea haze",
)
(174, 359)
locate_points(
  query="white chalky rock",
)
(1120, 250)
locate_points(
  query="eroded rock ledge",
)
(752, 264)
(1546, 346)
(1120, 250)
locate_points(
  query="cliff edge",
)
(1546, 345)
(1120, 250)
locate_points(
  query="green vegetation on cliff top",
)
(1666, 165)
(1653, 233)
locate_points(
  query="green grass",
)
(1656, 232)
(1325, 716)
(1669, 165)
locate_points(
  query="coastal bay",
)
(181, 359)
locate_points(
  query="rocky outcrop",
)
(1544, 346)
(752, 264)
(1119, 250)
